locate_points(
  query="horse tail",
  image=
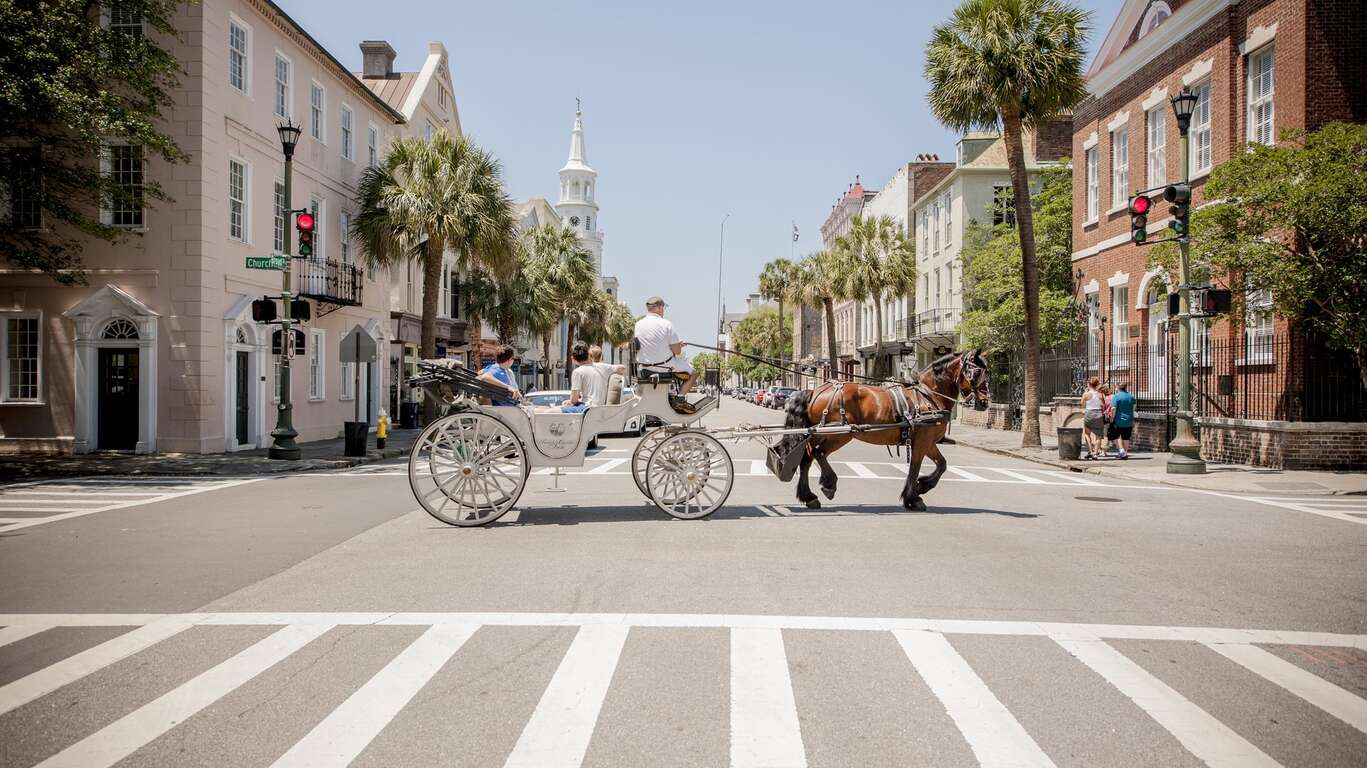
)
(795, 418)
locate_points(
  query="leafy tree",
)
(881, 263)
(757, 335)
(1012, 64)
(560, 271)
(776, 282)
(428, 197)
(994, 309)
(1292, 219)
(820, 283)
(67, 84)
(704, 360)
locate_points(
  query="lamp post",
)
(284, 446)
(721, 245)
(1185, 452)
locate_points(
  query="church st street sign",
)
(267, 262)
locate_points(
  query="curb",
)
(1059, 464)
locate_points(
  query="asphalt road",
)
(1030, 617)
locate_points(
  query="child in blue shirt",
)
(499, 373)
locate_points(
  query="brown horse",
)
(961, 375)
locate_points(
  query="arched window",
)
(1154, 16)
(120, 329)
(241, 337)
(574, 189)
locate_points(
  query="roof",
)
(393, 90)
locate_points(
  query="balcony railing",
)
(329, 281)
(937, 322)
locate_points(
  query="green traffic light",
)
(1140, 236)
(1178, 226)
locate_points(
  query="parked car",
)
(779, 398)
(758, 397)
(770, 395)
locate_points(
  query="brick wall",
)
(1334, 446)
(1335, 67)
(1054, 140)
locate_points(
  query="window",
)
(1200, 342)
(124, 19)
(1120, 326)
(282, 86)
(1120, 167)
(372, 143)
(317, 384)
(1157, 122)
(1260, 90)
(281, 218)
(935, 226)
(1003, 205)
(347, 390)
(317, 105)
(1258, 327)
(237, 200)
(431, 129)
(441, 96)
(237, 56)
(444, 300)
(347, 151)
(1199, 135)
(344, 236)
(24, 187)
(1093, 331)
(925, 236)
(455, 294)
(316, 208)
(949, 221)
(925, 292)
(937, 287)
(1092, 192)
(20, 358)
(124, 164)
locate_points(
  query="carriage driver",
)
(660, 348)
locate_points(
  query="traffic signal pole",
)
(283, 435)
(1184, 456)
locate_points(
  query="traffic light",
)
(1216, 301)
(264, 310)
(1180, 210)
(300, 311)
(305, 224)
(1139, 218)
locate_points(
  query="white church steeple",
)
(576, 207)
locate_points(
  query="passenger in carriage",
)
(499, 373)
(660, 348)
(589, 382)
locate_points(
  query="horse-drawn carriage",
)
(471, 465)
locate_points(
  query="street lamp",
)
(1185, 452)
(721, 245)
(283, 435)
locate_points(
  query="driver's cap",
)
(655, 301)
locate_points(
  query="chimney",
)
(377, 59)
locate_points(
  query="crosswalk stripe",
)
(73, 668)
(860, 470)
(994, 735)
(1198, 731)
(20, 631)
(557, 736)
(758, 467)
(764, 724)
(607, 466)
(1304, 505)
(1021, 476)
(126, 735)
(964, 474)
(80, 492)
(1307, 685)
(48, 502)
(1070, 477)
(342, 735)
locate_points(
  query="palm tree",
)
(561, 274)
(1013, 64)
(620, 327)
(819, 283)
(428, 197)
(776, 281)
(881, 263)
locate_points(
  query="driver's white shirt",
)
(656, 334)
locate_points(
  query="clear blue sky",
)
(764, 110)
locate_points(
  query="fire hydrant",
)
(381, 430)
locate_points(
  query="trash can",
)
(1069, 443)
(356, 432)
(408, 415)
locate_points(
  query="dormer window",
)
(1155, 15)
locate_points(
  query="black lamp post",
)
(284, 446)
(1185, 451)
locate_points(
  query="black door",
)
(242, 402)
(118, 399)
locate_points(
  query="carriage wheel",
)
(689, 475)
(641, 456)
(467, 469)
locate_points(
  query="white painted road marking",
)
(764, 724)
(344, 734)
(1202, 735)
(859, 469)
(79, 498)
(994, 735)
(1307, 685)
(557, 736)
(125, 736)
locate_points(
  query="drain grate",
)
(1096, 498)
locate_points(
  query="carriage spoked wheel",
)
(467, 469)
(689, 475)
(641, 456)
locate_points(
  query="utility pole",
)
(721, 246)
(1185, 451)
(284, 446)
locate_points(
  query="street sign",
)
(267, 262)
(357, 347)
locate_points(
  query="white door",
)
(1158, 345)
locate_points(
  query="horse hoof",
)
(814, 504)
(915, 505)
(828, 492)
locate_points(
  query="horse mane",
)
(938, 365)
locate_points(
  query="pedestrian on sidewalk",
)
(1122, 419)
(1093, 417)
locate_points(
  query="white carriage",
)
(471, 466)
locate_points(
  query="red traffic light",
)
(1140, 205)
(304, 222)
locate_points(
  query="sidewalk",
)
(1152, 467)
(316, 455)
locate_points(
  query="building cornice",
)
(1176, 28)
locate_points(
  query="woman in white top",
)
(1093, 417)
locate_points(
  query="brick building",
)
(1257, 67)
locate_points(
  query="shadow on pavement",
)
(572, 514)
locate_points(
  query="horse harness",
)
(905, 410)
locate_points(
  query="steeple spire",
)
(578, 157)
